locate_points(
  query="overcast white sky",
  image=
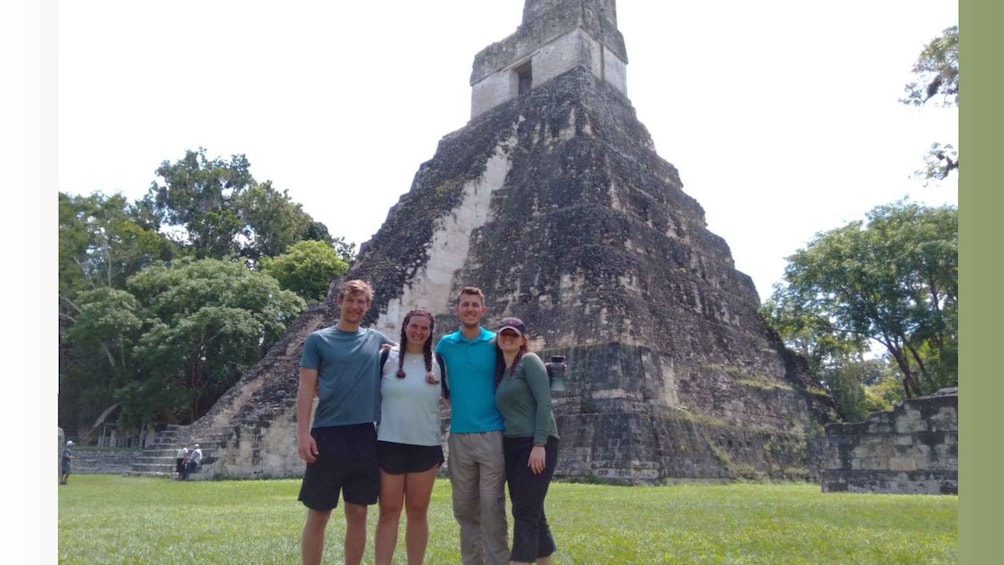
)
(781, 115)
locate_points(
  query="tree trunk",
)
(910, 388)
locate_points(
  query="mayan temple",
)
(553, 200)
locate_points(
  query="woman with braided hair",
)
(409, 448)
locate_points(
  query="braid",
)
(427, 350)
(402, 348)
(499, 364)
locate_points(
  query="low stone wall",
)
(102, 461)
(912, 449)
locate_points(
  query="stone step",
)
(151, 460)
(151, 467)
(160, 457)
(165, 453)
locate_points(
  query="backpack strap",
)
(384, 353)
(442, 376)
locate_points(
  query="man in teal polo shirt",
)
(475, 460)
(338, 439)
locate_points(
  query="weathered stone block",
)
(916, 459)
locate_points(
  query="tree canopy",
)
(892, 280)
(307, 268)
(208, 321)
(215, 208)
(165, 302)
(937, 73)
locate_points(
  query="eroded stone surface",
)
(557, 205)
(911, 449)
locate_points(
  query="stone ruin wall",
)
(912, 449)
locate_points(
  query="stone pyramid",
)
(552, 199)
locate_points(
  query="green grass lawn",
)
(131, 520)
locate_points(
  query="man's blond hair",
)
(356, 286)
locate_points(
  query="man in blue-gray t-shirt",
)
(475, 461)
(340, 364)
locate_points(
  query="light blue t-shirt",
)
(409, 405)
(470, 375)
(348, 370)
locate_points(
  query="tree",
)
(892, 280)
(271, 221)
(346, 250)
(131, 348)
(96, 355)
(849, 380)
(306, 269)
(836, 359)
(937, 71)
(102, 241)
(196, 197)
(210, 320)
(217, 209)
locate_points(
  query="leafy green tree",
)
(195, 199)
(937, 72)
(847, 379)
(809, 334)
(96, 355)
(835, 358)
(102, 241)
(939, 162)
(217, 209)
(211, 320)
(307, 269)
(886, 392)
(130, 347)
(346, 250)
(892, 280)
(272, 222)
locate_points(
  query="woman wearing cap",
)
(530, 442)
(409, 449)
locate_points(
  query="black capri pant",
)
(531, 536)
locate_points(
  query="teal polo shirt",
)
(470, 374)
(348, 372)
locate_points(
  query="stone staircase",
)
(158, 459)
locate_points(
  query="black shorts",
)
(402, 458)
(347, 463)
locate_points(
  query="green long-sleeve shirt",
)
(524, 399)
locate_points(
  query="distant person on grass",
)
(475, 461)
(409, 446)
(342, 362)
(65, 463)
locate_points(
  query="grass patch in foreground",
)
(132, 520)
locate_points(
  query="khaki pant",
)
(477, 478)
